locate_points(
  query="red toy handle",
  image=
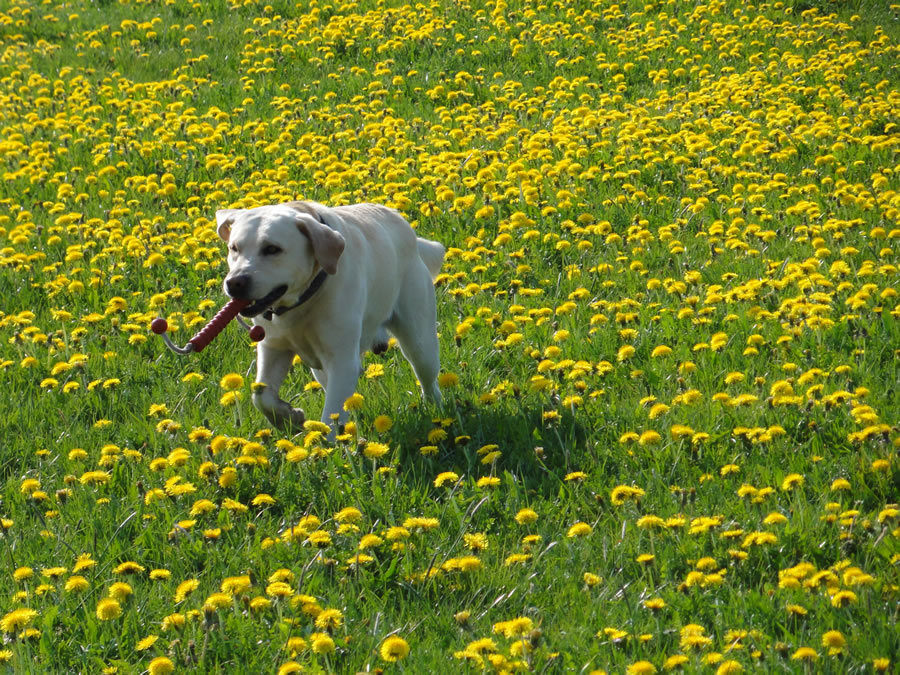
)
(208, 333)
(217, 324)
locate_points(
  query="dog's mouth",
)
(264, 303)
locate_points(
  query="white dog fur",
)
(379, 278)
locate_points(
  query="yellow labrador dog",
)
(329, 283)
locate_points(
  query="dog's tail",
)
(432, 254)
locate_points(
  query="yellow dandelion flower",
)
(260, 604)
(382, 423)
(843, 598)
(329, 619)
(184, 589)
(23, 573)
(805, 654)
(146, 643)
(76, 584)
(230, 398)
(729, 668)
(437, 435)
(579, 529)
(17, 620)
(394, 649)
(354, 403)
(174, 621)
(128, 567)
(446, 477)
(217, 601)
(591, 579)
(640, 668)
(279, 589)
(320, 643)
(674, 662)
(791, 481)
(120, 590)
(350, 514)
(654, 604)
(448, 380)
(231, 381)
(834, 640)
(108, 609)
(623, 493)
(375, 450)
(625, 352)
(161, 665)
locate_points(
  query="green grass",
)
(718, 179)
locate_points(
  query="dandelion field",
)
(668, 317)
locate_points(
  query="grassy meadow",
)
(668, 316)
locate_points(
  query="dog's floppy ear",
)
(327, 244)
(224, 219)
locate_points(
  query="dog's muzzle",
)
(261, 305)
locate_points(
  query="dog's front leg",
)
(341, 378)
(272, 366)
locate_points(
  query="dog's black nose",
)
(238, 286)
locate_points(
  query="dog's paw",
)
(298, 418)
(381, 342)
(287, 418)
(294, 420)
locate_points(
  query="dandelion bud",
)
(462, 618)
(210, 620)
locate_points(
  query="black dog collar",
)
(310, 291)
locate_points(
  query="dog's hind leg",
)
(272, 366)
(414, 325)
(321, 377)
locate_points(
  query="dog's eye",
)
(271, 249)
(232, 248)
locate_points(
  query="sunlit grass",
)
(668, 321)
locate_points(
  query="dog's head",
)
(275, 252)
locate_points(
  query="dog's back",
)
(375, 215)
